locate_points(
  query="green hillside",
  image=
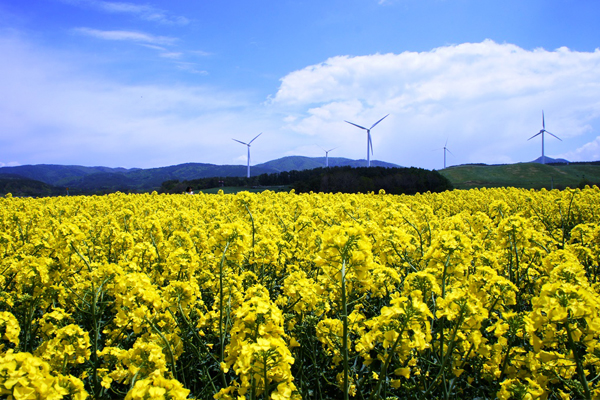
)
(19, 186)
(523, 175)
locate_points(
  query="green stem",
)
(505, 362)
(580, 371)
(251, 220)
(64, 366)
(252, 387)
(167, 345)
(210, 379)
(444, 275)
(446, 356)
(564, 225)
(194, 332)
(443, 295)
(345, 330)
(384, 368)
(418, 233)
(95, 334)
(265, 362)
(87, 264)
(516, 250)
(221, 333)
(155, 247)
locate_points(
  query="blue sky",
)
(156, 83)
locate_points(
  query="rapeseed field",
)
(490, 293)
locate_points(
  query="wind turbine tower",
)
(369, 143)
(446, 149)
(248, 144)
(327, 156)
(542, 132)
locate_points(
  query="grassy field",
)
(523, 175)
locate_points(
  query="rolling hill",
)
(523, 175)
(80, 179)
(19, 186)
(45, 180)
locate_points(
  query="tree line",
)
(329, 180)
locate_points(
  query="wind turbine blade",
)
(539, 133)
(554, 135)
(255, 138)
(370, 142)
(373, 126)
(543, 121)
(240, 142)
(352, 123)
(330, 149)
(446, 143)
(448, 150)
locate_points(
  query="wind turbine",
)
(369, 143)
(541, 132)
(248, 144)
(327, 156)
(446, 149)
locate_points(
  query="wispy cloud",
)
(172, 54)
(191, 67)
(159, 43)
(154, 47)
(200, 53)
(66, 114)
(127, 36)
(142, 11)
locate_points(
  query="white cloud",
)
(485, 97)
(463, 72)
(127, 36)
(589, 151)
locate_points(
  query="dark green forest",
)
(329, 180)
(19, 186)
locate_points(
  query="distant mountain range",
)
(80, 179)
(49, 180)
